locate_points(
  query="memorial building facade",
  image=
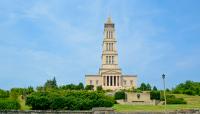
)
(110, 75)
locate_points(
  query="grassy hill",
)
(193, 102)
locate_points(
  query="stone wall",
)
(95, 111)
(170, 112)
(100, 110)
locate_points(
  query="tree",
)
(52, 84)
(89, 87)
(189, 88)
(80, 86)
(99, 88)
(143, 87)
(4, 94)
(155, 88)
(155, 95)
(148, 87)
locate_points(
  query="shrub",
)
(119, 95)
(4, 94)
(155, 95)
(99, 88)
(9, 104)
(171, 99)
(68, 100)
(189, 92)
(89, 87)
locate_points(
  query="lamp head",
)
(163, 76)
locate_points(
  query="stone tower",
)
(110, 75)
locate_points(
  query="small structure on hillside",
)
(135, 98)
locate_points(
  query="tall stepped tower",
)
(110, 75)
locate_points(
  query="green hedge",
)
(4, 94)
(119, 95)
(68, 100)
(171, 99)
(155, 95)
(9, 104)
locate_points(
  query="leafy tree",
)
(29, 90)
(143, 87)
(4, 94)
(155, 88)
(40, 89)
(189, 88)
(99, 88)
(148, 87)
(155, 95)
(51, 84)
(8, 104)
(89, 87)
(80, 86)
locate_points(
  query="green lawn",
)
(193, 102)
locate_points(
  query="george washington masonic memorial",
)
(110, 75)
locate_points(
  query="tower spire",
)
(109, 54)
(109, 20)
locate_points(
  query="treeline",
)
(52, 85)
(188, 87)
(54, 97)
(7, 102)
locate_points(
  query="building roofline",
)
(90, 75)
(129, 75)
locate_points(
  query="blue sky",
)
(40, 39)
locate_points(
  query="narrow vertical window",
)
(131, 82)
(124, 82)
(107, 34)
(97, 82)
(109, 59)
(112, 59)
(106, 59)
(111, 34)
(90, 82)
(106, 46)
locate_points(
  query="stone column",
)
(105, 80)
(110, 80)
(115, 80)
(118, 80)
(120, 84)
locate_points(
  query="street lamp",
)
(163, 77)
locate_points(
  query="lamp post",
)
(163, 77)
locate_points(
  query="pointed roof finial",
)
(109, 20)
